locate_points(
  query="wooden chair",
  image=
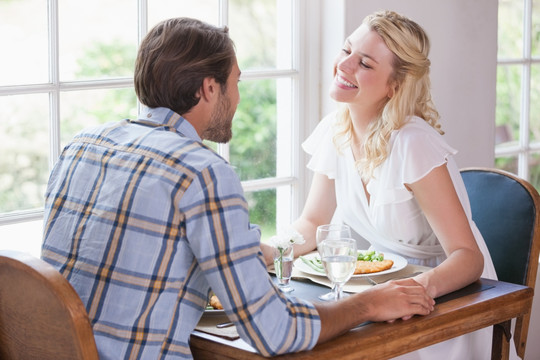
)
(41, 315)
(506, 210)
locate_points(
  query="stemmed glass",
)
(339, 261)
(331, 231)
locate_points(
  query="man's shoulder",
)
(161, 144)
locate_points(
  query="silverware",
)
(373, 282)
(224, 325)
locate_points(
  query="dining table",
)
(481, 304)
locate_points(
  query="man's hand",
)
(399, 299)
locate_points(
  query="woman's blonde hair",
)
(410, 79)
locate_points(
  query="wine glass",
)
(331, 231)
(339, 261)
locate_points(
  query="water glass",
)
(339, 261)
(331, 231)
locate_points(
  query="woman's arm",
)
(318, 210)
(440, 203)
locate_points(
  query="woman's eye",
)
(346, 51)
(363, 64)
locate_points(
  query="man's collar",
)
(162, 116)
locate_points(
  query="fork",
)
(373, 282)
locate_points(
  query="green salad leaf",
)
(370, 255)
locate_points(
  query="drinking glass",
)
(339, 261)
(283, 264)
(331, 231)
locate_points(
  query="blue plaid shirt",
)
(143, 220)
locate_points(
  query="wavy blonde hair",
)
(412, 96)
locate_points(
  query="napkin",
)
(208, 323)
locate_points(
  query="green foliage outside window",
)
(509, 85)
(253, 147)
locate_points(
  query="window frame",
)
(524, 147)
(303, 72)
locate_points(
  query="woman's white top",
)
(392, 221)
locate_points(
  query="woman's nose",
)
(344, 63)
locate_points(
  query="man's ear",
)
(209, 88)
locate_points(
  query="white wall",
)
(463, 36)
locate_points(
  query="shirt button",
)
(149, 115)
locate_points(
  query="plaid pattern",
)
(143, 219)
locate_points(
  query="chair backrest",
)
(41, 315)
(506, 210)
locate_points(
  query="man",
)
(143, 219)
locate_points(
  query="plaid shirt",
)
(143, 219)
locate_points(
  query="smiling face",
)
(362, 71)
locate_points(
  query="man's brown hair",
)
(175, 57)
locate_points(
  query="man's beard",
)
(220, 129)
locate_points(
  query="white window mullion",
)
(142, 13)
(223, 149)
(54, 79)
(142, 29)
(223, 12)
(309, 105)
(525, 140)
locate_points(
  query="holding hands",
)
(398, 299)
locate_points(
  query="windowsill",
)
(24, 237)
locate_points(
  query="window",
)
(70, 66)
(518, 89)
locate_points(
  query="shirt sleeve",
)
(321, 147)
(415, 150)
(227, 248)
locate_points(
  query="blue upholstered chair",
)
(506, 210)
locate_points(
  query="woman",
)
(382, 166)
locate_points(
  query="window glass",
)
(253, 145)
(507, 163)
(98, 34)
(24, 143)
(205, 10)
(263, 39)
(508, 103)
(534, 170)
(262, 211)
(23, 35)
(510, 29)
(535, 36)
(81, 109)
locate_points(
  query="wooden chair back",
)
(506, 210)
(41, 315)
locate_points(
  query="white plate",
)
(399, 263)
(214, 312)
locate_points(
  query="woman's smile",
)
(343, 83)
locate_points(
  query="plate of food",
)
(370, 263)
(214, 307)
